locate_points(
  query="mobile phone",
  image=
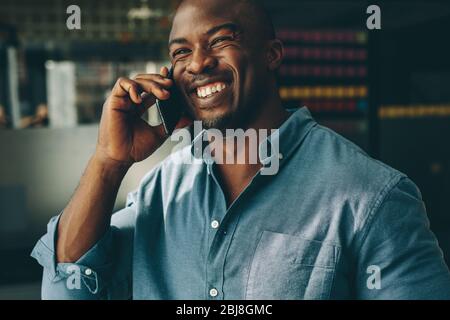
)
(172, 109)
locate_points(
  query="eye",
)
(180, 52)
(220, 40)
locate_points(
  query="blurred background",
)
(387, 90)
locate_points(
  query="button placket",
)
(222, 237)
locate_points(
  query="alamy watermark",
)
(374, 279)
(251, 147)
(374, 20)
(74, 279)
(73, 21)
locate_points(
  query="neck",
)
(271, 116)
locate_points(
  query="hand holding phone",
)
(171, 110)
(124, 137)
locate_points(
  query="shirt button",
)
(214, 224)
(88, 272)
(213, 292)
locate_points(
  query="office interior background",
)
(386, 90)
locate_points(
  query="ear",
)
(275, 54)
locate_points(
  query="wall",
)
(40, 169)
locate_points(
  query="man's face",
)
(219, 64)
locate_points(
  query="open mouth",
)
(210, 90)
(212, 94)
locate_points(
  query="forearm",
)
(87, 216)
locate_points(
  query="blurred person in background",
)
(3, 117)
(39, 119)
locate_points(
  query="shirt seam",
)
(250, 264)
(333, 278)
(377, 204)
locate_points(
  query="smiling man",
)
(331, 224)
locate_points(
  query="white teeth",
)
(209, 90)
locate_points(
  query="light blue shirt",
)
(333, 223)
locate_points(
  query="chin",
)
(219, 121)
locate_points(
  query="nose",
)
(201, 61)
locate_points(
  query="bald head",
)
(258, 15)
(250, 13)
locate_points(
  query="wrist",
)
(110, 166)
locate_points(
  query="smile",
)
(210, 89)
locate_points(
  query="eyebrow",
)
(229, 25)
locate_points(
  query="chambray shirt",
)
(333, 223)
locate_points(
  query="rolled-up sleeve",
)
(399, 256)
(103, 272)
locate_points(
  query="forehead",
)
(197, 17)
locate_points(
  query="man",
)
(332, 223)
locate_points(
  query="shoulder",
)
(346, 161)
(348, 175)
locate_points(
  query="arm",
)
(124, 138)
(87, 216)
(398, 241)
(84, 242)
(103, 272)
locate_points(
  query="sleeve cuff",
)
(92, 269)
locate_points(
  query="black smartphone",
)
(172, 109)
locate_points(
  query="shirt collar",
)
(289, 136)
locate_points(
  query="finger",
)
(164, 72)
(135, 95)
(154, 88)
(163, 81)
(126, 87)
(148, 100)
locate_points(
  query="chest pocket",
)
(291, 267)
